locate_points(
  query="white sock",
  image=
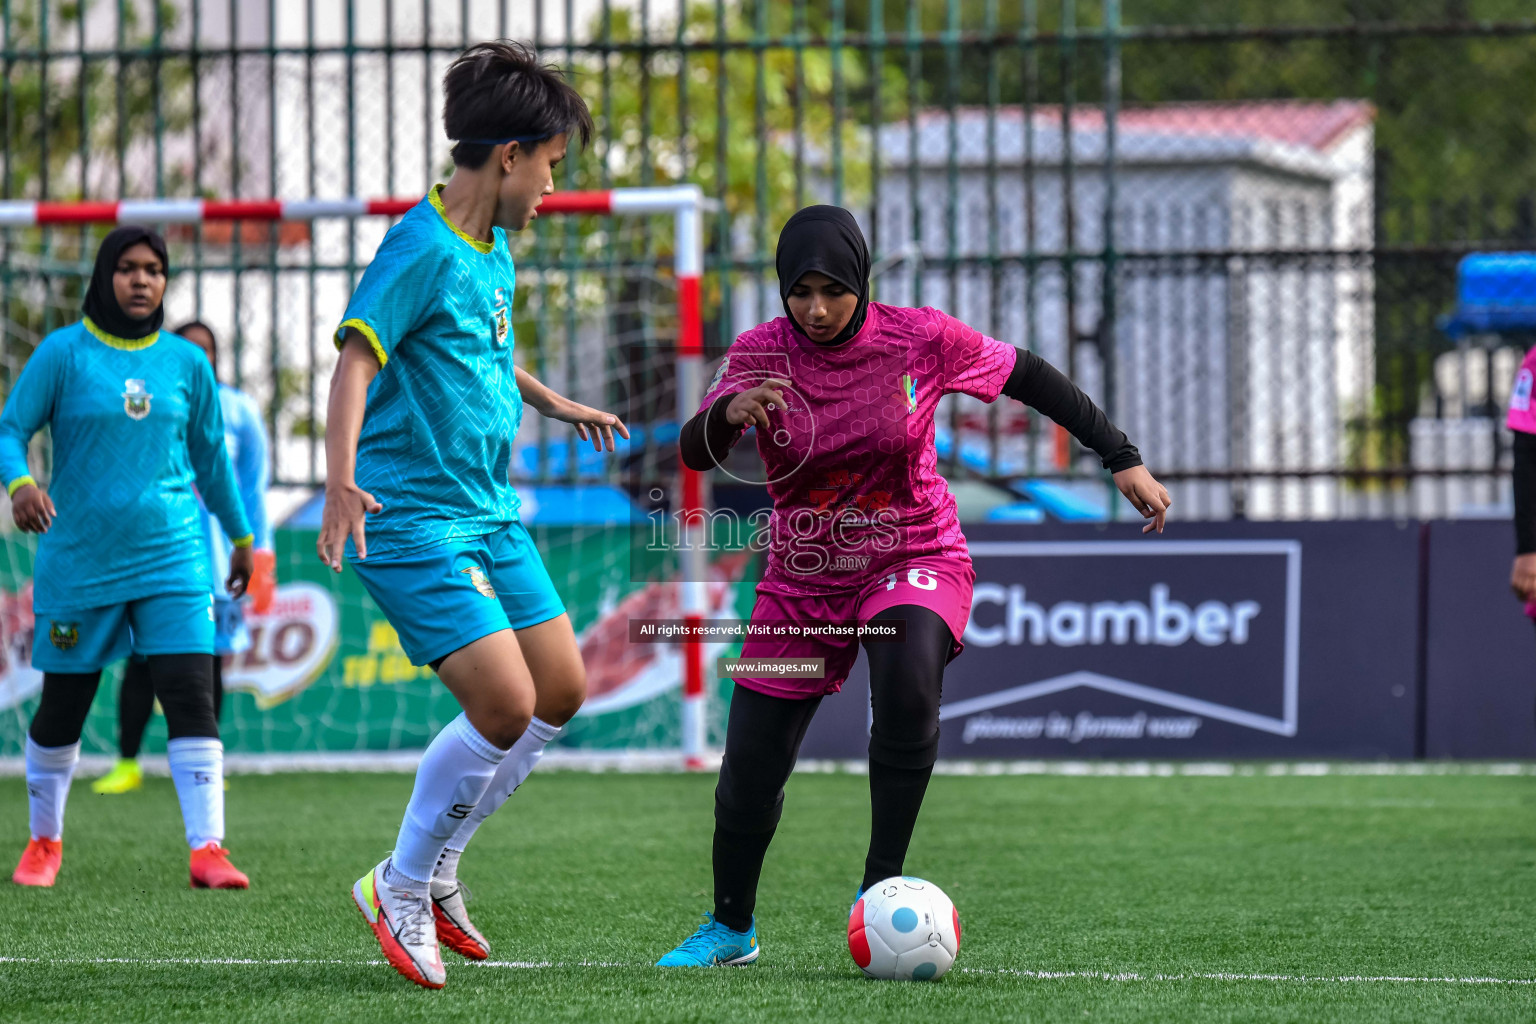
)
(197, 768)
(446, 875)
(520, 761)
(450, 781)
(49, 770)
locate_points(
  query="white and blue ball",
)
(904, 929)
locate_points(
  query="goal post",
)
(683, 203)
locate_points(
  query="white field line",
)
(1213, 769)
(525, 965)
(1311, 979)
(671, 761)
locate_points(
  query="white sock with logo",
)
(197, 768)
(49, 771)
(521, 760)
(452, 777)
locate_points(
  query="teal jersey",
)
(136, 425)
(436, 444)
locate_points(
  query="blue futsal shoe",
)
(715, 945)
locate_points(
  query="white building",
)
(294, 126)
(1243, 335)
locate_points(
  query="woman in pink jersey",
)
(843, 393)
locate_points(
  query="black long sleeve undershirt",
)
(707, 437)
(1041, 386)
(1525, 493)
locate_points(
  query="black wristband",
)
(1525, 493)
(1041, 386)
(705, 438)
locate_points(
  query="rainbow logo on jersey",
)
(909, 392)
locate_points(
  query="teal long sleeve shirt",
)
(136, 424)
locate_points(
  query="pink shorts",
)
(940, 584)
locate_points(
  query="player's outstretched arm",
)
(591, 424)
(26, 410)
(346, 504)
(1041, 386)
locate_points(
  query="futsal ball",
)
(904, 929)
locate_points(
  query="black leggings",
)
(762, 740)
(136, 702)
(183, 682)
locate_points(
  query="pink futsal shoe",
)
(211, 869)
(39, 862)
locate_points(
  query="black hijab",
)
(101, 301)
(825, 239)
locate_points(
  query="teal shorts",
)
(441, 598)
(89, 639)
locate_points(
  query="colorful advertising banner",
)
(325, 671)
(1227, 640)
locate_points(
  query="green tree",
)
(1453, 117)
(52, 112)
(745, 104)
(727, 121)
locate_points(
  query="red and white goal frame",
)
(684, 203)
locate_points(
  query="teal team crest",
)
(136, 399)
(63, 635)
(499, 318)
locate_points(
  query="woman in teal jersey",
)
(245, 437)
(424, 404)
(135, 420)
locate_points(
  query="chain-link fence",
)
(1237, 223)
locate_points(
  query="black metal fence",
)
(1236, 224)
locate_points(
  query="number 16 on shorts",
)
(917, 576)
(940, 584)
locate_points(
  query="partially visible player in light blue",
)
(424, 404)
(245, 437)
(135, 422)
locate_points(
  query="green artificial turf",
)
(1120, 882)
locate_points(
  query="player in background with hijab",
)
(245, 437)
(843, 393)
(135, 420)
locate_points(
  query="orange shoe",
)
(454, 928)
(39, 862)
(211, 869)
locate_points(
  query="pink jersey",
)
(851, 465)
(1521, 416)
